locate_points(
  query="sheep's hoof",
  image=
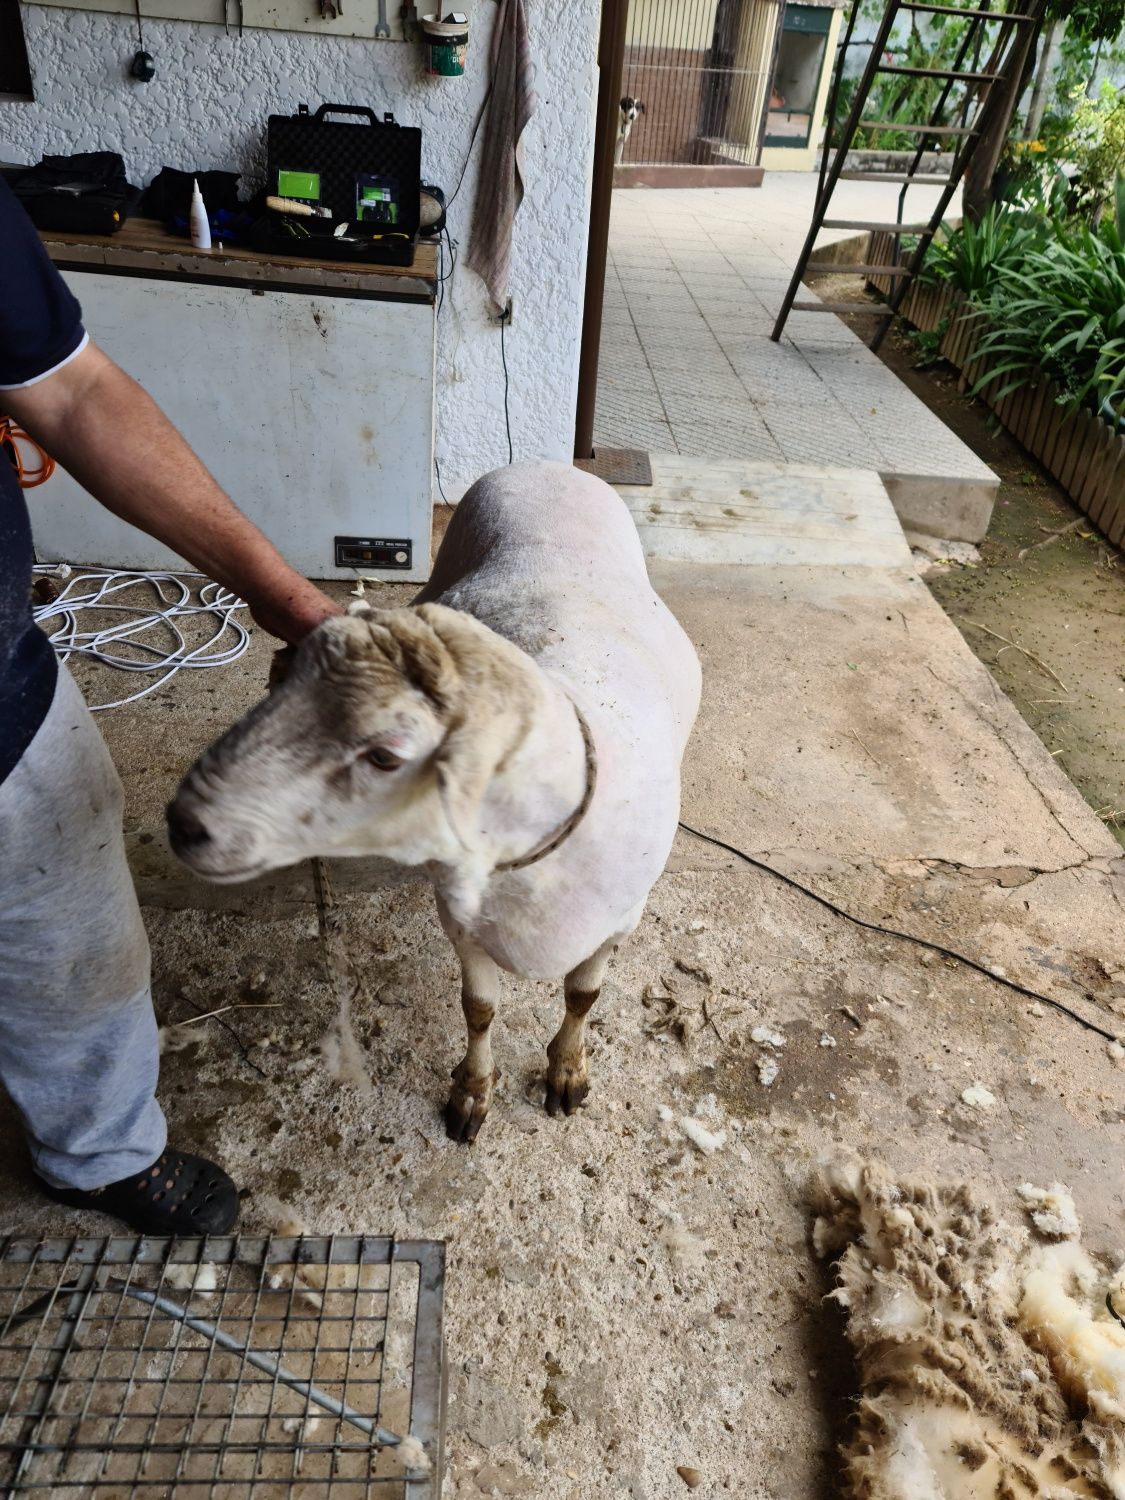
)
(469, 1102)
(566, 1092)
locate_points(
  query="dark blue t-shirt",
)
(40, 329)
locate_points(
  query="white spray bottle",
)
(200, 228)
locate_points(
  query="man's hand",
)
(113, 438)
(292, 619)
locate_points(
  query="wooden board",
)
(144, 247)
(358, 18)
(772, 514)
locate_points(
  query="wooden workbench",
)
(144, 247)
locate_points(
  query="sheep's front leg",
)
(567, 1078)
(475, 1075)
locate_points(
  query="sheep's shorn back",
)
(989, 1365)
(549, 557)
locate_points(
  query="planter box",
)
(872, 159)
(1083, 453)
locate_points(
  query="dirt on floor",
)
(628, 1298)
(631, 1292)
(1044, 611)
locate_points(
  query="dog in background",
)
(629, 110)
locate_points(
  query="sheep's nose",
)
(185, 829)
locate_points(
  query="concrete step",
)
(766, 514)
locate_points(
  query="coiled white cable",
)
(146, 631)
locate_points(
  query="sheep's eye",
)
(382, 758)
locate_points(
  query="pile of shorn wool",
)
(990, 1354)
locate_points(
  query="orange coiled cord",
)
(16, 443)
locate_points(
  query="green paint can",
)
(446, 44)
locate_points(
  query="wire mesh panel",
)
(701, 70)
(239, 1367)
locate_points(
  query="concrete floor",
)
(620, 1305)
(695, 281)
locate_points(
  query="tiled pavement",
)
(687, 366)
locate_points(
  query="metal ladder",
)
(964, 132)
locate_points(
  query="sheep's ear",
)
(491, 707)
(422, 655)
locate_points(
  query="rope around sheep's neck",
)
(561, 834)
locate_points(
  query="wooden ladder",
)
(949, 120)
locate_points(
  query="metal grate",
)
(618, 465)
(239, 1367)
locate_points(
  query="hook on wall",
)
(142, 68)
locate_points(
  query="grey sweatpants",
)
(78, 1048)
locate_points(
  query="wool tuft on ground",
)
(990, 1362)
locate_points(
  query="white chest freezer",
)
(307, 389)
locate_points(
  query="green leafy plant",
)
(927, 343)
(1095, 144)
(972, 257)
(1061, 310)
(1030, 176)
(1091, 20)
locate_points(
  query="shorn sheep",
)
(517, 731)
(991, 1362)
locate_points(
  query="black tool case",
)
(342, 154)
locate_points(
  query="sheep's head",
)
(382, 740)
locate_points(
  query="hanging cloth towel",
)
(510, 106)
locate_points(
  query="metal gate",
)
(701, 71)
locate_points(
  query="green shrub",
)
(972, 256)
(1094, 145)
(1062, 310)
(1029, 176)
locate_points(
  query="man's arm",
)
(112, 437)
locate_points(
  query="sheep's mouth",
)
(224, 874)
(232, 877)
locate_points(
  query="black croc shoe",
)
(178, 1194)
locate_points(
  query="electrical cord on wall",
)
(443, 277)
(908, 937)
(139, 640)
(472, 143)
(437, 471)
(443, 274)
(505, 319)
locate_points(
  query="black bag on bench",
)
(83, 194)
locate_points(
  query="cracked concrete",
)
(1017, 875)
(621, 1304)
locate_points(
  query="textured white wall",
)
(207, 107)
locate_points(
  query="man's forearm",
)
(116, 442)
